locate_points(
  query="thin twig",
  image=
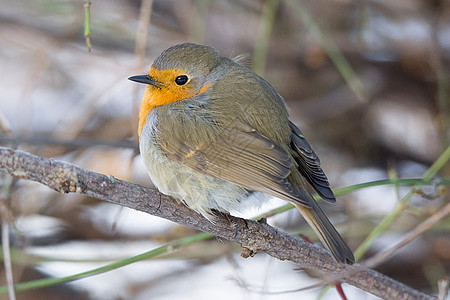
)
(421, 228)
(262, 290)
(401, 205)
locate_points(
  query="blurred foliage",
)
(367, 82)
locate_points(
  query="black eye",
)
(181, 80)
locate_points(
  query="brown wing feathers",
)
(243, 156)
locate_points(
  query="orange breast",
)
(168, 92)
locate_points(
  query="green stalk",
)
(87, 22)
(262, 41)
(392, 216)
(336, 56)
(40, 283)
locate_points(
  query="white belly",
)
(199, 192)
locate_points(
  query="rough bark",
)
(253, 236)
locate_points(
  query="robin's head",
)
(180, 72)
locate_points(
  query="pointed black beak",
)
(147, 79)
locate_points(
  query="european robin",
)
(216, 136)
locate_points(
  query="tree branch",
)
(255, 236)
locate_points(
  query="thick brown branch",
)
(256, 236)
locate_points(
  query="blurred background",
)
(377, 107)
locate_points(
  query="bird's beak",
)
(147, 79)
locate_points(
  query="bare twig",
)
(256, 236)
(142, 32)
(427, 224)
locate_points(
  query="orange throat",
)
(154, 97)
(168, 92)
(146, 106)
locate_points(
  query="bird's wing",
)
(309, 164)
(241, 155)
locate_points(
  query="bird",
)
(216, 136)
